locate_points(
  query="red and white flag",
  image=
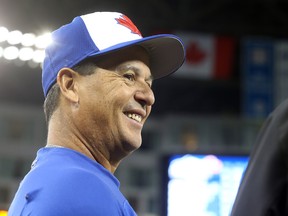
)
(207, 56)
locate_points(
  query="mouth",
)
(136, 117)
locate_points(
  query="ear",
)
(67, 81)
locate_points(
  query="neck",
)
(68, 137)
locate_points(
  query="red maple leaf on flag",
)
(125, 21)
(194, 54)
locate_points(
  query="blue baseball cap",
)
(99, 33)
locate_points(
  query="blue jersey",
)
(64, 182)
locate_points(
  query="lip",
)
(139, 112)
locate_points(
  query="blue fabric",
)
(71, 44)
(64, 182)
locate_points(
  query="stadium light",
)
(3, 213)
(28, 39)
(14, 37)
(1, 51)
(38, 56)
(11, 53)
(3, 34)
(43, 41)
(23, 46)
(26, 53)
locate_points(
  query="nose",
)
(145, 96)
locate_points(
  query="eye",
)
(149, 84)
(129, 76)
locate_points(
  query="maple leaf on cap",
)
(125, 21)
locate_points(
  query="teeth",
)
(136, 117)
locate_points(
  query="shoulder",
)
(72, 188)
(76, 192)
(77, 179)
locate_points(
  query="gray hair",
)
(51, 102)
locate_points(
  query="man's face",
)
(115, 102)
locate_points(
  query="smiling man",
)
(97, 78)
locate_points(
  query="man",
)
(263, 191)
(97, 77)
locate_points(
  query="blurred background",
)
(234, 75)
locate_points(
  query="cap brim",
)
(166, 53)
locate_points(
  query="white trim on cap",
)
(105, 31)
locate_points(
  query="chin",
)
(132, 146)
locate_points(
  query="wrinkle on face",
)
(104, 95)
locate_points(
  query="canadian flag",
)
(207, 56)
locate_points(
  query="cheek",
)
(106, 102)
(107, 94)
(118, 94)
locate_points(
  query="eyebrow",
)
(135, 69)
